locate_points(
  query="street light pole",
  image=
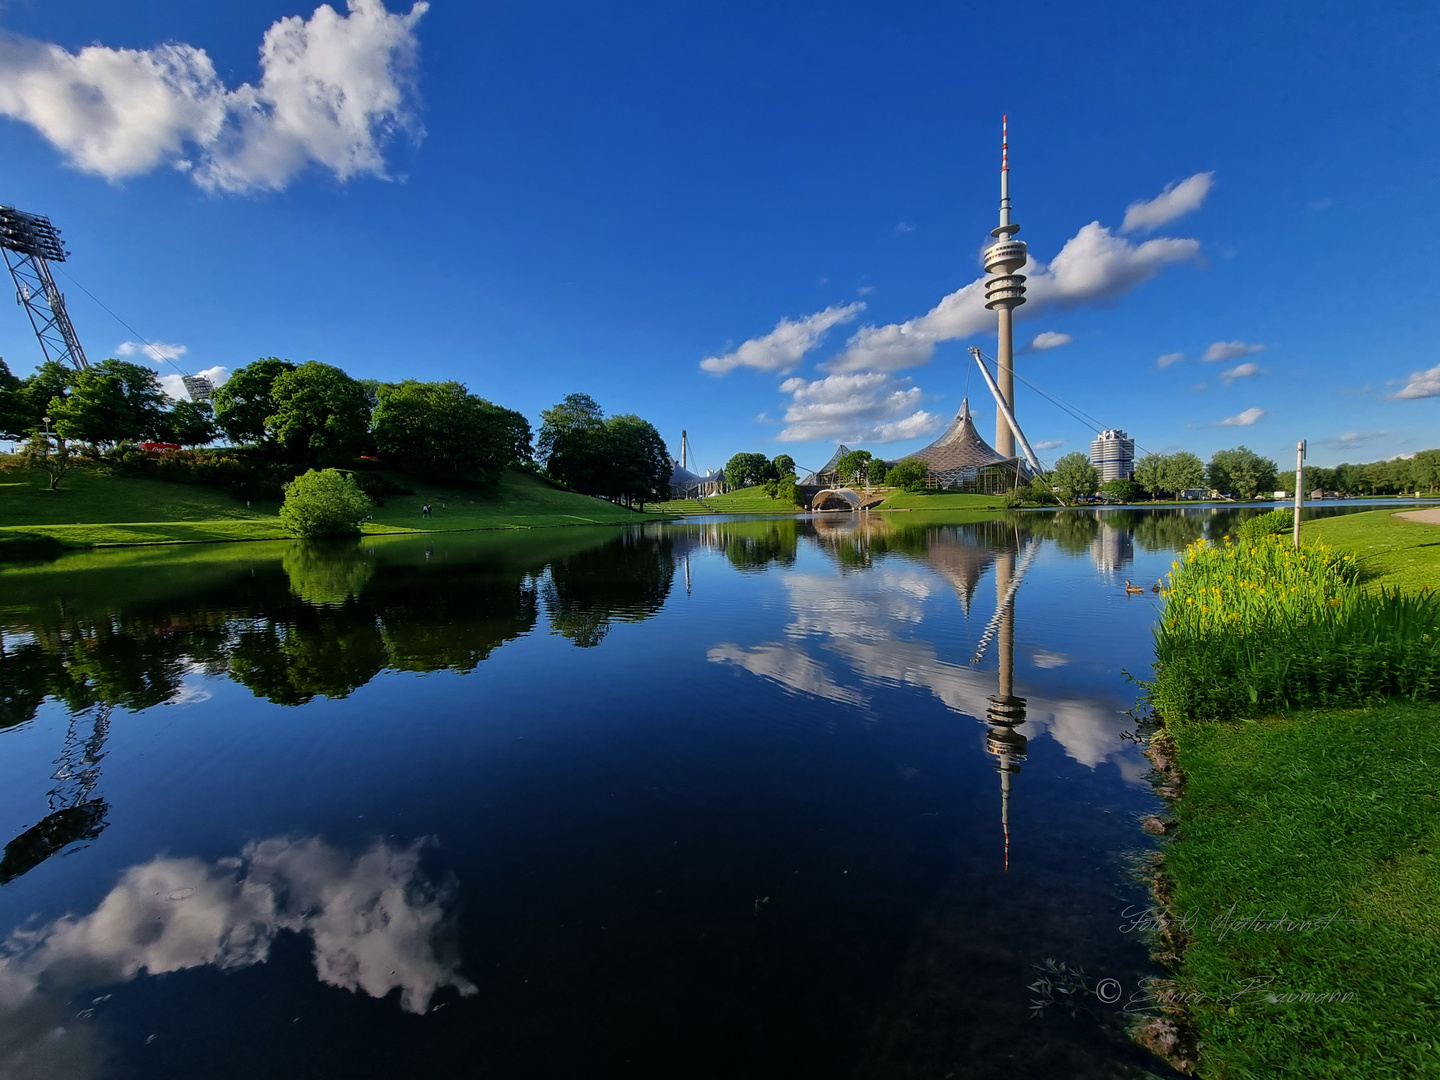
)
(1299, 486)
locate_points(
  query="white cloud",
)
(375, 922)
(1168, 360)
(1094, 267)
(904, 227)
(1247, 370)
(786, 345)
(1242, 419)
(868, 407)
(157, 351)
(1222, 351)
(1050, 339)
(1177, 200)
(1198, 387)
(333, 90)
(1422, 384)
(174, 386)
(1349, 439)
(1050, 444)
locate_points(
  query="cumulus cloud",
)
(1048, 340)
(1094, 267)
(376, 924)
(1241, 419)
(1422, 384)
(155, 350)
(786, 345)
(333, 91)
(1222, 351)
(1169, 359)
(1241, 371)
(1177, 200)
(866, 407)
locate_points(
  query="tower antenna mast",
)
(30, 244)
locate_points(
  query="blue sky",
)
(543, 198)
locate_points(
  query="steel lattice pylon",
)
(30, 244)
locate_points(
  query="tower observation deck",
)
(1005, 291)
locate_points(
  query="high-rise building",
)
(1113, 453)
(1004, 292)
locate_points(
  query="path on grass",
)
(1430, 517)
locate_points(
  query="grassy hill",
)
(750, 500)
(938, 500)
(1392, 550)
(91, 508)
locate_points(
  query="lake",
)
(814, 797)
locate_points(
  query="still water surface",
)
(790, 798)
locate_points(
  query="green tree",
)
(1121, 491)
(1242, 472)
(49, 381)
(1039, 490)
(441, 430)
(638, 466)
(189, 423)
(571, 443)
(54, 459)
(879, 472)
(324, 503)
(1075, 478)
(321, 414)
(1425, 469)
(745, 470)
(853, 466)
(1180, 471)
(909, 473)
(16, 418)
(1150, 474)
(110, 402)
(577, 412)
(787, 491)
(244, 402)
(784, 465)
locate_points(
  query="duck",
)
(1131, 590)
(1157, 587)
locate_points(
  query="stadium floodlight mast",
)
(30, 244)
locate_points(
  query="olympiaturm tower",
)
(1005, 291)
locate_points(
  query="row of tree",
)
(1420, 473)
(620, 458)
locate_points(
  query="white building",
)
(1113, 453)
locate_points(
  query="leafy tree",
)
(189, 423)
(1180, 471)
(787, 491)
(324, 503)
(745, 470)
(638, 466)
(853, 466)
(244, 402)
(576, 413)
(784, 465)
(772, 489)
(1123, 491)
(55, 461)
(1150, 474)
(1425, 468)
(879, 471)
(16, 418)
(909, 473)
(109, 402)
(1040, 490)
(321, 414)
(440, 429)
(1075, 478)
(49, 381)
(1242, 472)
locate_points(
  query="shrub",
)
(1014, 499)
(1275, 523)
(1249, 628)
(788, 491)
(324, 503)
(909, 474)
(242, 473)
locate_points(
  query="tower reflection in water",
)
(1006, 710)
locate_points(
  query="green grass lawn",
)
(936, 500)
(1312, 814)
(1392, 550)
(92, 509)
(750, 500)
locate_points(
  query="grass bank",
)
(938, 500)
(1301, 746)
(1393, 551)
(750, 500)
(93, 509)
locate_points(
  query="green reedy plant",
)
(1251, 627)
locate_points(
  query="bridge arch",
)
(835, 499)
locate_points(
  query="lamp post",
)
(47, 433)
